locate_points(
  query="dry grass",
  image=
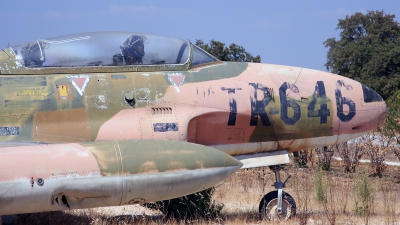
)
(242, 207)
(242, 193)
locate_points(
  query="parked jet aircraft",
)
(114, 118)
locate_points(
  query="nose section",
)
(369, 112)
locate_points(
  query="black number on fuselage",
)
(287, 103)
(232, 112)
(340, 101)
(323, 112)
(258, 106)
(232, 105)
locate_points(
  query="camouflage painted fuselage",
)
(240, 108)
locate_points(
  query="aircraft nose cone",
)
(367, 110)
(383, 114)
(370, 96)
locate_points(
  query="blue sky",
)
(281, 32)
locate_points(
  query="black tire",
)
(269, 203)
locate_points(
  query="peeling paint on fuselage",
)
(223, 104)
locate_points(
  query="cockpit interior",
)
(109, 49)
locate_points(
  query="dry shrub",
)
(364, 197)
(325, 195)
(344, 195)
(304, 157)
(324, 158)
(390, 198)
(302, 185)
(320, 188)
(396, 152)
(350, 154)
(390, 144)
(376, 151)
(191, 207)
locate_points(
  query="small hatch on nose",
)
(370, 95)
(360, 127)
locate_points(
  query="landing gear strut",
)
(278, 205)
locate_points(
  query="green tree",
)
(368, 51)
(391, 127)
(392, 123)
(232, 53)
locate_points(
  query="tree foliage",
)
(232, 53)
(394, 111)
(368, 51)
(392, 122)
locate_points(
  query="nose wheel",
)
(269, 207)
(277, 205)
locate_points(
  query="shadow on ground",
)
(67, 218)
(48, 218)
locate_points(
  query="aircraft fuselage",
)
(240, 108)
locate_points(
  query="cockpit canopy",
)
(104, 49)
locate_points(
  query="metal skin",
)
(110, 173)
(242, 109)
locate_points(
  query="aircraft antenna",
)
(295, 81)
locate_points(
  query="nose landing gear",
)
(278, 205)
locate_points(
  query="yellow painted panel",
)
(63, 91)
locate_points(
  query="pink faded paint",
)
(47, 162)
(125, 125)
(202, 109)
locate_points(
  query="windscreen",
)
(201, 57)
(103, 49)
(370, 95)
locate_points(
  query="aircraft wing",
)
(279, 157)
